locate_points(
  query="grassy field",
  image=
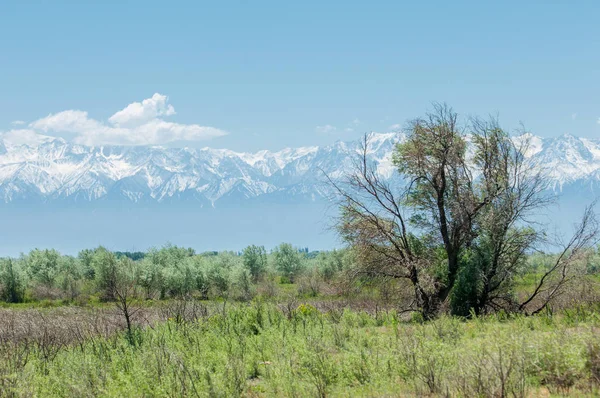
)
(189, 348)
(174, 323)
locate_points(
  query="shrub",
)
(559, 364)
(288, 261)
(106, 272)
(464, 297)
(43, 266)
(255, 260)
(12, 283)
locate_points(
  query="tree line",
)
(161, 273)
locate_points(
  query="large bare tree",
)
(460, 227)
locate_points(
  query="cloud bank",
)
(139, 123)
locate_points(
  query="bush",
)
(465, 294)
(288, 261)
(255, 261)
(43, 266)
(106, 273)
(12, 283)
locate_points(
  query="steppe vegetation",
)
(175, 323)
(449, 285)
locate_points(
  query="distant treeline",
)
(135, 256)
(170, 271)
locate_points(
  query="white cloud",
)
(328, 128)
(71, 121)
(17, 122)
(395, 127)
(598, 121)
(29, 137)
(573, 116)
(152, 133)
(139, 123)
(356, 122)
(138, 113)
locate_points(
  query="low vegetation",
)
(174, 322)
(261, 349)
(446, 287)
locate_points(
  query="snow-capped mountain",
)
(54, 170)
(65, 196)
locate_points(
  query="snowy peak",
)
(568, 159)
(48, 169)
(52, 169)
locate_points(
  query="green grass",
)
(257, 350)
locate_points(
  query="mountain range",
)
(51, 176)
(55, 170)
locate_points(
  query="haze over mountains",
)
(55, 193)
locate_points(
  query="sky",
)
(257, 75)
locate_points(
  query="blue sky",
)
(277, 74)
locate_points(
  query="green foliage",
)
(254, 350)
(218, 276)
(85, 258)
(43, 265)
(330, 263)
(70, 277)
(181, 279)
(174, 272)
(12, 282)
(464, 298)
(135, 256)
(255, 260)
(106, 272)
(288, 261)
(168, 272)
(242, 281)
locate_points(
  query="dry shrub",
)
(184, 310)
(593, 361)
(497, 369)
(424, 362)
(288, 307)
(310, 284)
(267, 287)
(42, 292)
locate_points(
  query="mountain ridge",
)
(54, 194)
(53, 169)
(56, 169)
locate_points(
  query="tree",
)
(255, 260)
(555, 280)
(69, 276)
(330, 263)
(160, 264)
(288, 261)
(125, 293)
(12, 285)
(106, 272)
(458, 228)
(218, 276)
(85, 258)
(43, 266)
(182, 278)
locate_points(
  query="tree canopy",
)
(461, 223)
